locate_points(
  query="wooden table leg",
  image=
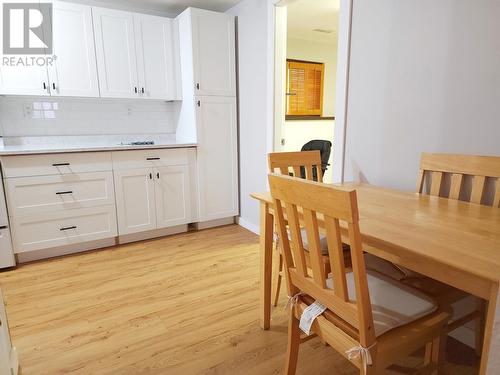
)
(266, 256)
(491, 345)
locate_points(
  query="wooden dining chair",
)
(474, 179)
(370, 319)
(304, 164)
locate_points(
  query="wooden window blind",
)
(304, 88)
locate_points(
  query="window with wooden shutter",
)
(304, 88)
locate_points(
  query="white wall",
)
(323, 52)
(424, 76)
(255, 102)
(73, 116)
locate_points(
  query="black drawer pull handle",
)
(68, 228)
(152, 158)
(3, 227)
(60, 164)
(64, 192)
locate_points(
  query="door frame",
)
(278, 73)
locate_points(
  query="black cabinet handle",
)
(142, 90)
(53, 85)
(64, 192)
(135, 89)
(44, 86)
(152, 159)
(60, 164)
(150, 176)
(198, 103)
(3, 227)
(158, 175)
(68, 228)
(197, 86)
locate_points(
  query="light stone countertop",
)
(61, 144)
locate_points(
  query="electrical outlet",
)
(27, 110)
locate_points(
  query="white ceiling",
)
(171, 7)
(306, 15)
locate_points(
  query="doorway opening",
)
(311, 60)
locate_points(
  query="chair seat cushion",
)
(323, 242)
(384, 267)
(393, 304)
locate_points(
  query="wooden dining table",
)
(451, 241)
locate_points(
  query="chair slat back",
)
(299, 201)
(290, 163)
(482, 169)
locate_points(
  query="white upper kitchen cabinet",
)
(15, 80)
(23, 80)
(212, 54)
(155, 57)
(217, 157)
(135, 200)
(74, 72)
(173, 196)
(116, 56)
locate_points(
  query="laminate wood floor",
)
(185, 304)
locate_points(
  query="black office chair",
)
(325, 148)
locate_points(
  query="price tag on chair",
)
(309, 314)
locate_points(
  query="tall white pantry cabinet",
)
(208, 69)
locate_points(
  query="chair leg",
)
(438, 353)
(479, 325)
(278, 277)
(370, 370)
(292, 352)
(428, 354)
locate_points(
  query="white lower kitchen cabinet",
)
(173, 196)
(217, 157)
(61, 228)
(135, 200)
(158, 194)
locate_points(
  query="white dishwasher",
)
(6, 254)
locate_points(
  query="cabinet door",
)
(23, 80)
(217, 157)
(173, 196)
(22, 74)
(74, 73)
(155, 60)
(115, 49)
(135, 200)
(213, 53)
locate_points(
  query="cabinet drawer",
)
(55, 164)
(63, 228)
(34, 195)
(151, 158)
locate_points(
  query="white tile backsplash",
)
(36, 116)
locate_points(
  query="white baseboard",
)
(248, 225)
(465, 335)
